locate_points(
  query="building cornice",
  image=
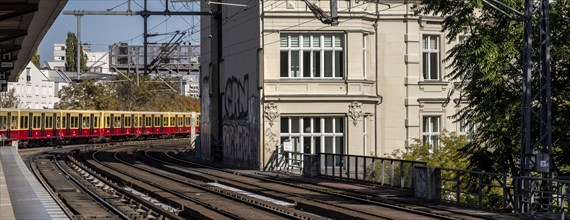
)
(322, 98)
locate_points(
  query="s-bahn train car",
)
(43, 127)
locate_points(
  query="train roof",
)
(86, 111)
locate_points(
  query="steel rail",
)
(270, 189)
(383, 204)
(127, 193)
(220, 193)
(42, 180)
(91, 193)
(203, 204)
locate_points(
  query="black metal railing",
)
(378, 170)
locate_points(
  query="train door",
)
(42, 125)
(91, 124)
(9, 125)
(143, 123)
(54, 124)
(153, 123)
(30, 124)
(162, 121)
(67, 123)
(112, 123)
(184, 123)
(133, 121)
(4, 124)
(47, 127)
(122, 123)
(81, 124)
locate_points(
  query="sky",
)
(103, 30)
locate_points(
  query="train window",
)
(156, 121)
(23, 122)
(180, 121)
(85, 122)
(3, 123)
(136, 121)
(148, 121)
(37, 121)
(165, 121)
(117, 122)
(49, 122)
(128, 122)
(95, 122)
(74, 121)
(188, 121)
(172, 121)
(64, 122)
(14, 124)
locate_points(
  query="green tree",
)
(448, 155)
(8, 99)
(36, 59)
(122, 93)
(71, 54)
(490, 62)
(87, 95)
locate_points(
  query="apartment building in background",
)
(367, 86)
(97, 62)
(38, 89)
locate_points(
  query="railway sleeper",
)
(133, 201)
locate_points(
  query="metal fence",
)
(545, 197)
(478, 189)
(383, 171)
(291, 162)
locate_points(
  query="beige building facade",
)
(367, 86)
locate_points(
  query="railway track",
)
(200, 198)
(313, 199)
(135, 181)
(84, 194)
(75, 197)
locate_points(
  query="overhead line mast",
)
(145, 13)
(536, 152)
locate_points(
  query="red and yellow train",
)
(45, 127)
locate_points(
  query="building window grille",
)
(312, 56)
(431, 57)
(431, 131)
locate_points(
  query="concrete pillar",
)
(311, 165)
(426, 182)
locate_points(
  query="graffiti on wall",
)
(241, 122)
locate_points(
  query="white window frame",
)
(428, 132)
(321, 49)
(322, 134)
(426, 68)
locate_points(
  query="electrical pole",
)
(78, 16)
(536, 151)
(145, 13)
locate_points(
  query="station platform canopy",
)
(23, 24)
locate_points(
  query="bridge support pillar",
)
(311, 165)
(426, 182)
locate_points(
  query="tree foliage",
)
(36, 59)
(71, 54)
(490, 62)
(8, 99)
(123, 94)
(448, 155)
